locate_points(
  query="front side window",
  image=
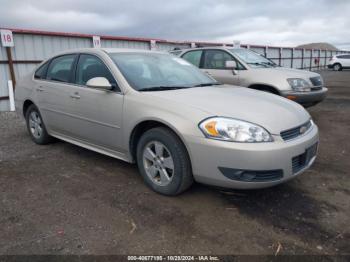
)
(151, 70)
(90, 66)
(61, 68)
(194, 57)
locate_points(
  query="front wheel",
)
(36, 126)
(163, 162)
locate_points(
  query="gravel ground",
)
(62, 199)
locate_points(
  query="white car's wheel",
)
(337, 67)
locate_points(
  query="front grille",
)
(316, 81)
(295, 132)
(301, 161)
(252, 175)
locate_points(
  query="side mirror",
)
(231, 64)
(99, 82)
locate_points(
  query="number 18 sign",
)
(6, 38)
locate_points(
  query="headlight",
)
(299, 84)
(234, 130)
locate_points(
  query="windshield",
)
(156, 71)
(251, 58)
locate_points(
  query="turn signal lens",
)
(211, 128)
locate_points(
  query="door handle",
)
(208, 73)
(75, 95)
(40, 89)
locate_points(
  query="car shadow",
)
(286, 207)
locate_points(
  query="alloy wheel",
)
(158, 163)
(35, 124)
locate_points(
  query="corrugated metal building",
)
(31, 47)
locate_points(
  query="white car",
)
(339, 62)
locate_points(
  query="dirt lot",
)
(62, 199)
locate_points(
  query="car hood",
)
(270, 111)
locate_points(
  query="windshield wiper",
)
(269, 63)
(208, 84)
(161, 88)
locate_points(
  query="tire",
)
(177, 179)
(337, 67)
(36, 127)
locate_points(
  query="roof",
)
(206, 47)
(128, 50)
(107, 50)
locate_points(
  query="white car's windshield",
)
(156, 71)
(251, 58)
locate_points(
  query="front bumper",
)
(307, 98)
(209, 157)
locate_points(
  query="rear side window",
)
(90, 66)
(61, 68)
(40, 73)
(194, 57)
(343, 56)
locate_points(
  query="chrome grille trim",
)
(296, 131)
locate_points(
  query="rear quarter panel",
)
(24, 91)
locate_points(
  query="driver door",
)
(98, 112)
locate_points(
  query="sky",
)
(269, 22)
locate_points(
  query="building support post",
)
(280, 57)
(302, 58)
(311, 59)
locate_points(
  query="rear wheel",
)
(337, 67)
(36, 126)
(163, 162)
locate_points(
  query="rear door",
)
(213, 63)
(98, 112)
